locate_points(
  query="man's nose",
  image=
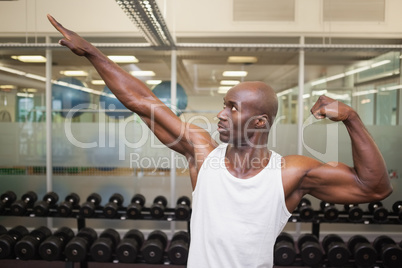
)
(222, 115)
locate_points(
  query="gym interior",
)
(76, 166)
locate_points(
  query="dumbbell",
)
(6, 199)
(27, 247)
(103, 248)
(331, 213)
(129, 247)
(182, 210)
(41, 208)
(397, 208)
(154, 247)
(337, 252)
(19, 207)
(355, 213)
(158, 207)
(78, 247)
(70, 202)
(135, 207)
(389, 252)
(178, 248)
(115, 202)
(9, 239)
(284, 250)
(53, 247)
(310, 250)
(380, 213)
(362, 251)
(88, 208)
(305, 210)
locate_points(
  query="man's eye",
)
(234, 108)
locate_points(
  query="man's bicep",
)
(336, 183)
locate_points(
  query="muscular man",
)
(243, 193)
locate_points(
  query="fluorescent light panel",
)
(234, 73)
(229, 82)
(98, 82)
(242, 59)
(74, 73)
(29, 58)
(123, 59)
(153, 82)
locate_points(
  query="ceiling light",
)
(7, 87)
(229, 82)
(142, 73)
(235, 73)
(242, 59)
(153, 82)
(98, 82)
(123, 59)
(149, 20)
(380, 63)
(30, 90)
(74, 73)
(223, 90)
(29, 58)
(358, 70)
(25, 95)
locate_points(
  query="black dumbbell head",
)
(310, 250)
(72, 198)
(138, 198)
(77, 248)
(42, 208)
(94, 198)
(363, 252)
(178, 249)
(129, 246)
(153, 249)
(160, 199)
(8, 198)
(284, 250)
(52, 248)
(65, 208)
(19, 207)
(397, 209)
(8, 240)
(117, 198)
(355, 214)
(389, 251)
(158, 207)
(103, 248)
(337, 252)
(184, 200)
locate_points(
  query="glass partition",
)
(100, 146)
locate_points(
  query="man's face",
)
(236, 120)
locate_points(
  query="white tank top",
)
(235, 222)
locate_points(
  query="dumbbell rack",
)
(343, 218)
(169, 215)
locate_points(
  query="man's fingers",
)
(57, 25)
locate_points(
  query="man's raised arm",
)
(137, 97)
(366, 181)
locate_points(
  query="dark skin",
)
(244, 123)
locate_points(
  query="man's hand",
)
(325, 107)
(73, 41)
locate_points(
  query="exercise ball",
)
(111, 104)
(162, 91)
(66, 98)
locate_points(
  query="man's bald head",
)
(261, 96)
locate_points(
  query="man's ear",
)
(262, 121)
